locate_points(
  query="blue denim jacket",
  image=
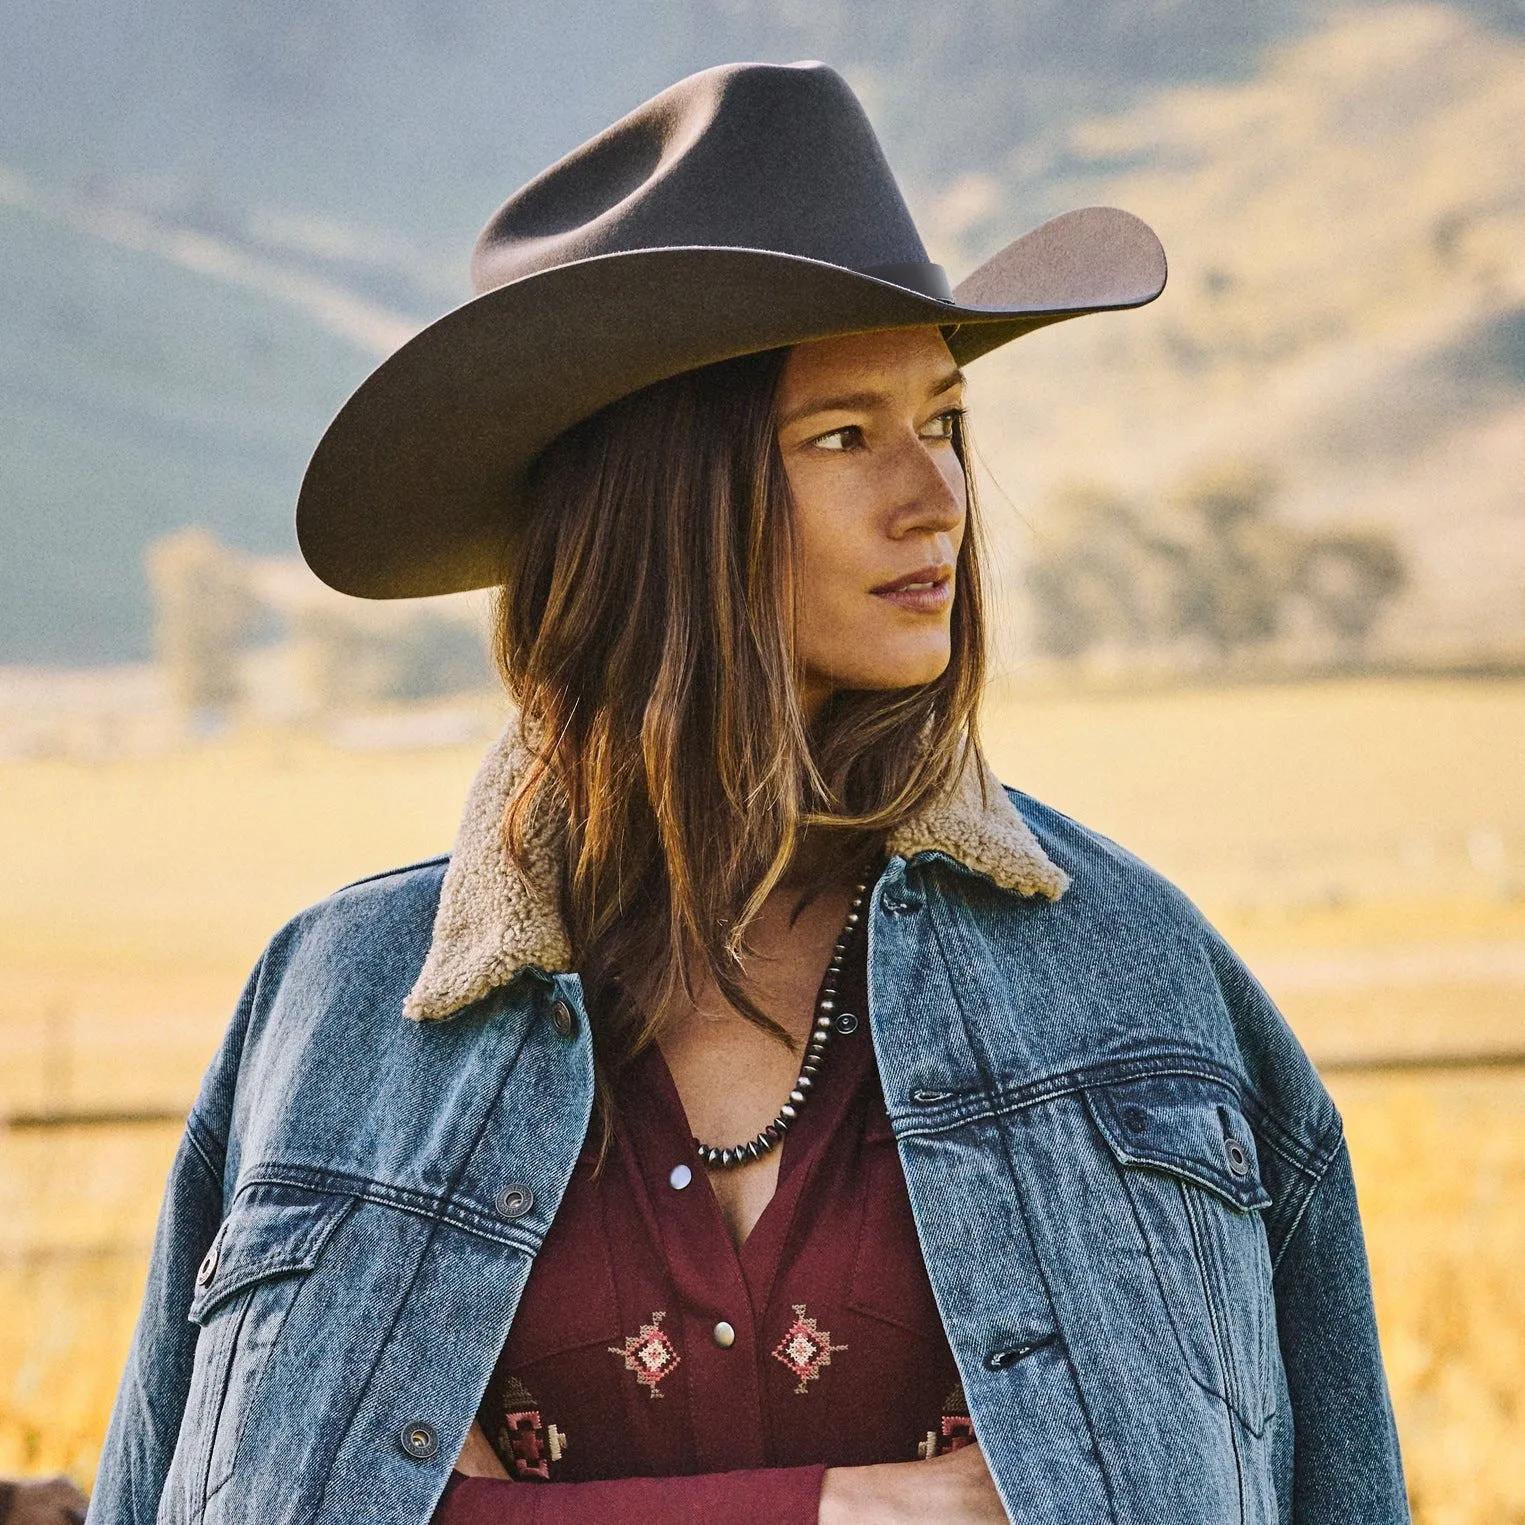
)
(1131, 1189)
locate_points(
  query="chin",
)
(894, 671)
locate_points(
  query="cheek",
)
(845, 636)
(838, 553)
(834, 559)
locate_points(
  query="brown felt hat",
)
(747, 207)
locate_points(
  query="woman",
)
(764, 1114)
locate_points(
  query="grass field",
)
(1362, 843)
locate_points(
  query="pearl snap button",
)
(725, 1335)
(679, 1177)
(420, 1441)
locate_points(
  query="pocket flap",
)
(269, 1231)
(1185, 1125)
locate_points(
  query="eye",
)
(849, 437)
(944, 425)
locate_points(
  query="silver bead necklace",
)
(815, 1051)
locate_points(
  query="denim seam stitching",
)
(243, 1423)
(1231, 1383)
(1277, 1136)
(364, 1387)
(194, 1128)
(1001, 1103)
(1097, 1451)
(204, 1462)
(431, 1208)
(1300, 1216)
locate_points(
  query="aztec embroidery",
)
(805, 1349)
(650, 1354)
(525, 1444)
(954, 1432)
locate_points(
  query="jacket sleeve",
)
(1346, 1463)
(781, 1495)
(145, 1422)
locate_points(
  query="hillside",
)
(212, 223)
(1346, 307)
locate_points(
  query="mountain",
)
(215, 219)
(1346, 310)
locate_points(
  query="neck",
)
(818, 863)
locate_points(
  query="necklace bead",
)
(815, 1051)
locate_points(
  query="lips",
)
(927, 590)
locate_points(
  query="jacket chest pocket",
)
(1189, 1163)
(256, 1267)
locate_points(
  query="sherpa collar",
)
(495, 918)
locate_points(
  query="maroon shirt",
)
(613, 1372)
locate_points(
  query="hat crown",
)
(752, 156)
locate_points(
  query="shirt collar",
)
(497, 918)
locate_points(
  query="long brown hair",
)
(646, 631)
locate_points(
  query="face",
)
(866, 432)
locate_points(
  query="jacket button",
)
(999, 1360)
(420, 1441)
(208, 1267)
(847, 1023)
(1238, 1159)
(515, 1201)
(725, 1335)
(563, 1019)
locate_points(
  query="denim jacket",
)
(1132, 1191)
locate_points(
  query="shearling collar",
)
(495, 919)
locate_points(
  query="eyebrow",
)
(853, 402)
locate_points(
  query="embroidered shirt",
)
(647, 1346)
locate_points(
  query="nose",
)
(929, 493)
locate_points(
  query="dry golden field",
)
(1363, 843)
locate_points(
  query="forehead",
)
(900, 360)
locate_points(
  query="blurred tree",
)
(1213, 574)
(1104, 580)
(204, 610)
(1236, 559)
(1347, 579)
(354, 658)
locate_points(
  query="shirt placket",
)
(724, 1296)
(713, 1325)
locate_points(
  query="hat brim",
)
(414, 487)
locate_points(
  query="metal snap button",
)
(1238, 1157)
(563, 1018)
(679, 1177)
(515, 1201)
(1135, 1119)
(725, 1335)
(420, 1441)
(208, 1267)
(847, 1023)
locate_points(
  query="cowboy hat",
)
(746, 208)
